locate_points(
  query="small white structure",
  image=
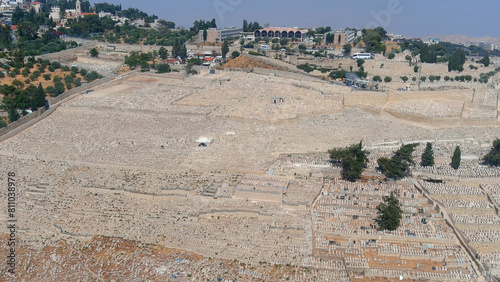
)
(204, 141)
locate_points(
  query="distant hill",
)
(463, 39)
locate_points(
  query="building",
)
(36, 6)
(55, 14)
(432, 41)
(341, 37)
(215, 35)
(282, 32)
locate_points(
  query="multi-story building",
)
(220, 34)
(341, 37)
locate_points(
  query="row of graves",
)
(345, 233)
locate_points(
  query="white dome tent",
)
(204, 141)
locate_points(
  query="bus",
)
(363, 56)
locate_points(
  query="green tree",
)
(391, 56)
(389, 212)
(162, 68)
(455, 159)
(408, 58)
(360, 62)
(352, 159)
(235, 54)
(347, 49)
(493, 156)
(163, 53)
(415, 69)
(183, 52)
(485, 60)
(245, 26)
(39, 98)
(225, 49)
(387, 79)
(398, 165)
(377, 78)
(428, 156)
(13, 114)
(457, 60)
(94, 53)
(404, 78)
(205, 35)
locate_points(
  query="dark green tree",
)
(457, 60)
(455, 159)
(408, 58)
(389, 212)
(93, 52)
(428, 156)
(235, 54)
(225, 49)
(183, 52)
(163, 53)
(493, 157)
(205, 35)
(485, 60)
(13, 114)
(398, 165)
(163, 68)
(360, 62)
(245, 26)
(347, 49)
(352, 159)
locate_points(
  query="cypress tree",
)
(455, 160)
(225, 48)
(428, 156)
(389, 212)
(13, 114)
(40, 96)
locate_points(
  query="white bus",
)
(363, 56)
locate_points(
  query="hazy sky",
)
(419, 18)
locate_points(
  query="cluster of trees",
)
(135, 14)
(484, 77)
(374, 40)
(26, 36)
(398, 165)
(147, 61)
(452, 53)
(107, 8)
(202, 25)
(352, 159)
(22, 95)
(250, 27)
(179, 50)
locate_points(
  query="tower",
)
(78, 8)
